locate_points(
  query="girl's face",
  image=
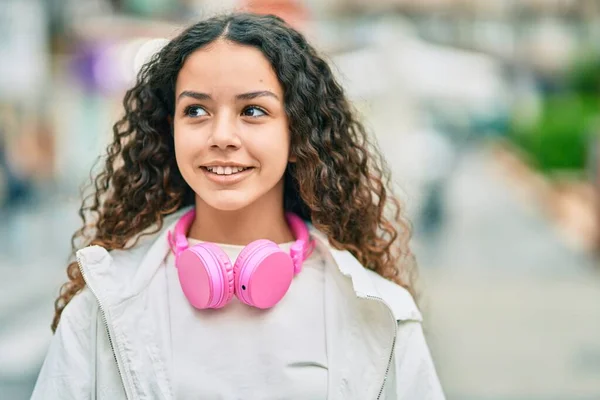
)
(232, 141)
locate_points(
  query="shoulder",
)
(128, 259)
(369, 283)
(399, 299)
(78, 313)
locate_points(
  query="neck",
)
(241, 227)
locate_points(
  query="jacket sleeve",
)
(416, 377)
(68, 370)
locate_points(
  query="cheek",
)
(180, 150)
(186, 145)
(272, 147)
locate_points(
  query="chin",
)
(227, 201)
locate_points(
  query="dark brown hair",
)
(339, 182)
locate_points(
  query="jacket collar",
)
(138, 265)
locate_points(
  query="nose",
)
(224, 133)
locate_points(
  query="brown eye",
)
(253, 112)
(194, 111)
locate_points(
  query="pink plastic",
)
(206, 276)
(264, 276)
(260, 277)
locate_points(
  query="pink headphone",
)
(260, 277)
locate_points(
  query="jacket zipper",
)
(387, 369)
(124, 379)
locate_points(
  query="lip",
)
(226, 179)
(224, 164)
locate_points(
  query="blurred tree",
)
(560, 138)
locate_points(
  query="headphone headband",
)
(300, 250)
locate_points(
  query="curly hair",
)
(339, 181)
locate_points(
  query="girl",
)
(243, 242)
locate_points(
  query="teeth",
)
(219, 170)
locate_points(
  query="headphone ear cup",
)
(206, 276)
(227, 268)
(263, 274)
(247, 252)
(241, 261)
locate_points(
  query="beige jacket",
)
(107, 347)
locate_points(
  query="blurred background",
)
(487, 111)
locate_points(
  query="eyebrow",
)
(242, 96)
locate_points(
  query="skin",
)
(229, 109)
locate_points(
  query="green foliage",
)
(560, 139)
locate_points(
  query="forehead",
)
(226, 66)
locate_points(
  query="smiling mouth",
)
(219, 170)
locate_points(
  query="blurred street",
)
(512, 312)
